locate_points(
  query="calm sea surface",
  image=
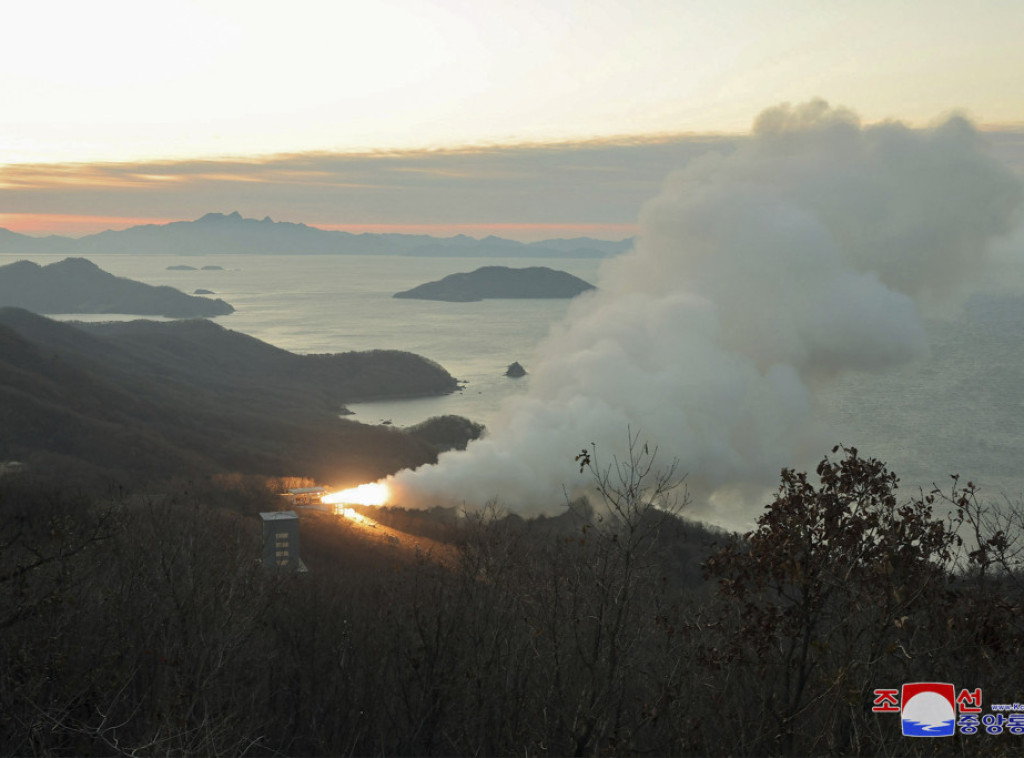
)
(961, 409)
(331, 304)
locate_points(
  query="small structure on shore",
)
(305, 495)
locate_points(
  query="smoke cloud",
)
(808, 251)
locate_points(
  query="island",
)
(181, 267)
(491, 282)
(515, 370)
(77, 285)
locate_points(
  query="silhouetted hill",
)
(500, 282)
(76, 285)
(12, 242)
(220, 359)
(448, 432)
(231, 233)
(159, 398)
(55, 406)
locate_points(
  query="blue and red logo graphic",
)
(928, 709)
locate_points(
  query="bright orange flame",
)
(364, 494)
(341, 510)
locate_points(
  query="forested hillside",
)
(142, 623)
(141, 400)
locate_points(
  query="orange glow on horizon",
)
(44, 224)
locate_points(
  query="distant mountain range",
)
(230, 233)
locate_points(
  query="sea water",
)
(959, 410)
(331, 304)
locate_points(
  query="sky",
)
(528, 119)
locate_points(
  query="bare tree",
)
(827, 587)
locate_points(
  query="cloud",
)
(598, 183)
(527, 191)
(758, 275)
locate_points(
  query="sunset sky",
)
(523, 118)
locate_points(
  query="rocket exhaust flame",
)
(365, 494)
(341, 510)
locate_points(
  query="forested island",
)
(490, 282)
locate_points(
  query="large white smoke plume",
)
(808, 251)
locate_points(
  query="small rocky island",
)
(515, 370)
(492, 282)
(77, 285)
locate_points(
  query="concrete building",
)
(281, 541)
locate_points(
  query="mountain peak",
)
(219, 217)
(21, 267)
(75, 264)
